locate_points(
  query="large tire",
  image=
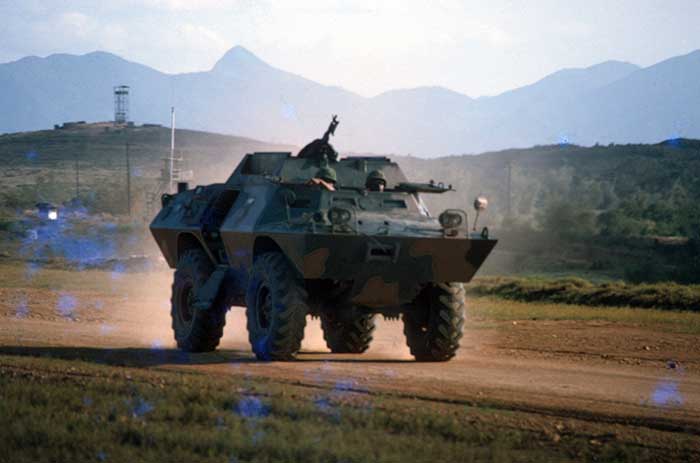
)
(433, 326)
(276, 308)
(195, 330)
(348, 337)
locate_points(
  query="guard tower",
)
(121, 104)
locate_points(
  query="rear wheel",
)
(433, 325)
(347, 337)
(195, 330)
(276, 308)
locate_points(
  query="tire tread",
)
(433, 327)
(208, 325)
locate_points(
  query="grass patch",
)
(494, 308)
(7, 225)
(663, 296)
(56, 410)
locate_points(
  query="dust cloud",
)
(132, 310)
(149, 322)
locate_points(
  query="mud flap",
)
(205, 296)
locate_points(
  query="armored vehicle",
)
(340, 239)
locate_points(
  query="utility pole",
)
(172, 149)
(128, 181)
(77, 177)
(509, 210)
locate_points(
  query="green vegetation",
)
(7, 225)
(568, 190)
(577, 291)
(57, 410)
(627, 212)
(73, 241)
(487, 309)
(57, 166)
(607, 210)
(91, 404)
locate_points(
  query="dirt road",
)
(623, 376)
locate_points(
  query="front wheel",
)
(195, 330)
(347, 337)
(433, 324)
(276, 308)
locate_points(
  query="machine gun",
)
(331, 129)
(432, 187)
(320, 148)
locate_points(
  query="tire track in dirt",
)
(528, 369)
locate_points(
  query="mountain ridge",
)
(612, 101)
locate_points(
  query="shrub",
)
(666, 296)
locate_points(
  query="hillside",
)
(657, 177)
(627, 211)
(41, 166)
(617, 211)
(656, 184)
(610, 102)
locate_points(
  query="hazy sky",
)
(477, 48)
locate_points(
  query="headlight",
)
(449, 219)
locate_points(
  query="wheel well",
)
(265, 244)
(186, 241)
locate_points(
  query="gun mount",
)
(321, 149)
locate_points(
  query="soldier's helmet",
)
(327, 174)
(374, 179)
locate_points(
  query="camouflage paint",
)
(388, 248)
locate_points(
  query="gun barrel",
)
(331, 128)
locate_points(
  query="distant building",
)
(69, 125)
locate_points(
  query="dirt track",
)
(594, 372)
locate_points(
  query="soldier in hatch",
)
(325, 177)
(376, 181)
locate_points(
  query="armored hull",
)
(281, 242)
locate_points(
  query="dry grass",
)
(494, 308)
(580, 292)
(56, 410)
